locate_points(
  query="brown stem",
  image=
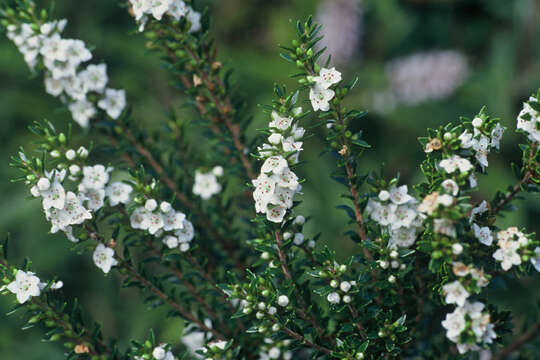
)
(184, 200)
(519, 342)
(302, 312)
(303, 340)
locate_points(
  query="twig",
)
(519, 342)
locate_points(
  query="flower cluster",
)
(321, 92)
(468, 326)
(277, 184)
(396, 211)
(484, 137)
(514, 247)
(206, 184)
(81, 88)
(27, 285)
(164, 222)
(272, 350)
(528, 119)
(426, 76)
(143, 9)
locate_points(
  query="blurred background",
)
(420, 63)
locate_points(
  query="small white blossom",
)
(206, 185)
(455, 293)
(118, 193)
(25, 286)
(320, 98)
(113, 103)
(333, 298)
(483, 234)
(104, 258)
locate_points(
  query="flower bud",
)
(283, 300)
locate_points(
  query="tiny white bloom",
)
(483, 234)
(455, 293)
(320, 98)
(384, 195)
(280, 122)
(104, 258)
(113, 103)
(283, 300)
(345, 286)
(333, 298)
(450, 186)
(150, 205)
(298, 239)
(25, 286)
(118, 193)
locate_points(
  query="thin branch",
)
(519, 342)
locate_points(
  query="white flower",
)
(276, 214)
(328, 77)
(333, 298)
(507, 254)
(403, 237)
(535, 260)
(466, 139)
(345, 286)
(150, 205)
(399, 195)
(94, 197)
(155, 222)
(217, 171)
(54, 196)
(298, 239)
(454, 323)
(496, 135)
(445, 200)
(454, 163)
(173, 220)
(118, 193)
(455, 293)
(287, 179)
(206, 185)
(482, 149)
(53, 87)
(159, 7)
(95, 177)
(70, 154)
(113, 103)
(384, 195)
(299, 220)
(457, 249)
(25, 286)
(404, 216)
(283, 300)
(82, 111)
(280, 122)
(95, 77)
(186, 233)
(450, 186)
(194, 18)
(275, 164)
(178, 9)
(477, 122)
(320, 98)
(275, 138)
(104, 258)
(170, 241)
(483, 234)
(140, 218)
(218, 345)
(43, 184)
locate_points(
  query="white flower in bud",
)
(218, 171)
(283, 300)
(150, 205)
(165, 207)
(272, 310)
(275, 327)
(345, 286)
(342, 267)
(447, 136)
(74, 169)
(259, 315)
(274, 139)
(35, 191)
(402, 267)
(392, 279)
(298, 239)
(70, 154)
(261, 306)
(170, 241)
(43, 184)
(360, 356)
(265, 255)
(445, 200)
(333, 298)
(274, 353)
(477, 122)
(311, 243)
(82, 152)
(394, 264)
(347, 299)
(299, 220)
(457, 249)
(334, 283)
(184, 247)
(384, 195)
(287, 235)
(394, 254)
(383, 264)
(55, 153)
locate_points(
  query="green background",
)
(499, 37)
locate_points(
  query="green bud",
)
(299, 64)
(266, 293)
(55, 337)
(310, 53)
(295, 43)
(317, 68)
